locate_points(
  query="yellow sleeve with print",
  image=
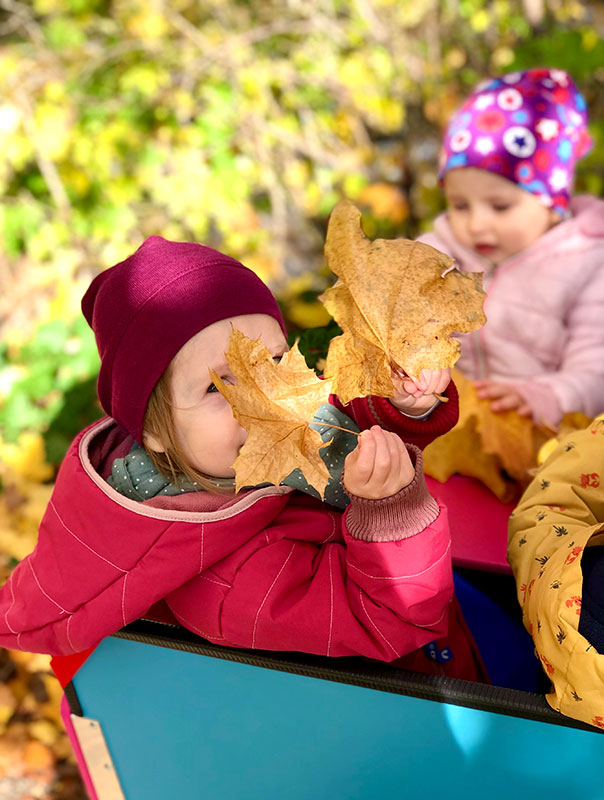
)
(561, 513)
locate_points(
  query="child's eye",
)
(501, 207)
(212, 388)
(459, 206)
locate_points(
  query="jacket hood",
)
(105, 441)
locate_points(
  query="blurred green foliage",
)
(50, 384)
(235, 124)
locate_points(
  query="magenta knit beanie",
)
(529, 127)
(144, 309)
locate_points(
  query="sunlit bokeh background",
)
(232, 123)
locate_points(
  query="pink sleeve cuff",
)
(400, 516)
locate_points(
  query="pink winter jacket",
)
(545, 315)
(270, 568)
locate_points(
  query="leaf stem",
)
(337, 427)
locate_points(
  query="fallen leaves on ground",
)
(500, 450)
(275, 404)
(36, 760)
(397, 302)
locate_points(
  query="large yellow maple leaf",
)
(275, 403)
(397, 302)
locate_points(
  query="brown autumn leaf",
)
(574, 421)
(275, 404)
(493, 448)
(397, 302)
(460, 452)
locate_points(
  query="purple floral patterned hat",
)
(529, 127)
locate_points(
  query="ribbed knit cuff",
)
(393, 518)
(441, 419)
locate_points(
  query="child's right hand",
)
(379, 466)
(503, 397)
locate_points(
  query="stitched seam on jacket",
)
(400, 577)
(267, 594)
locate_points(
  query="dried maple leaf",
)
(397, 301)
(571, 422)
(574, 421)
(493, 448)
(460, 452)
(275, 404)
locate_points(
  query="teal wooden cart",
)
(174, 717)
(156, 713)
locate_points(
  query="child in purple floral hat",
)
(507, 170)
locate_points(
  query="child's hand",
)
(379, 466)
(504, 397)
(415, 397)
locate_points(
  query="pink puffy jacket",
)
(545, 315)
(270, 568)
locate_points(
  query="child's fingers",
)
(427, 380)
(507, 402)
(503, 397)
(438, 381)
(412, 388)
(525, 410)
(402, 382)
(379, 466)
(393, 468)
(430, 381)
(490, 391)
(401, 471)
(405, 469)
(359, 463)
(385, 456)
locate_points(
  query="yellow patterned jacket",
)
(561, 513)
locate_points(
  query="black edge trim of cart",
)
(73, 700)
(361, 672)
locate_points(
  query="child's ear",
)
(151, 442)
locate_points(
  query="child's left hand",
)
(503, 397)
(415, 397)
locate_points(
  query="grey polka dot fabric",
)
(135, 476)
(342, 443)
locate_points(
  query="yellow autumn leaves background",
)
(237, 124)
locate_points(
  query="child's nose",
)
(477, 221)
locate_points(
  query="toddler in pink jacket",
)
(507, 171)
(144, 507)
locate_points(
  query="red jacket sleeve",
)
(368, 411)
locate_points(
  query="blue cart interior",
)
(182, 718)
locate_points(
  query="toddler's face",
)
(205, 427)
(493, 216)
